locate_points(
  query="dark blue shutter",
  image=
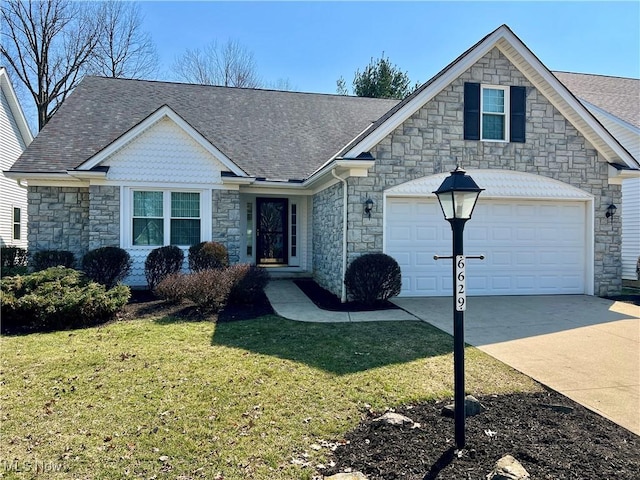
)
(517, 111)
(472, 111)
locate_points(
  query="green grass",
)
(157, 398)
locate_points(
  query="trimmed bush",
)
(44, 259)
(172, 288)
(249, 282)
(209, 289)
(162, 262)
(13, 261)
(208, 255)
(57, 298)
(107, 265)
(372, 278)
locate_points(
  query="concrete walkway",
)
(290, 302)
(586, 348)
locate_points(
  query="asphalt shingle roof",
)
(267, 133)
(617, 95)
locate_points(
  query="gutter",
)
(343, 292)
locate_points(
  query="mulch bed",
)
(550, 440)
(326, 300)
(144, 304)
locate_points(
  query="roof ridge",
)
(204, 85)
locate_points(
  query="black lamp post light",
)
(458, 195)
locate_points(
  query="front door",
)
(271, 231)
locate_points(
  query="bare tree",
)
(282, 84)
(47, 45)
(123, 49)
(229, 65)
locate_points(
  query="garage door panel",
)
(531, 247)
(426, 233)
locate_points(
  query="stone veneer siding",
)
(104, 216)
(327, 238)
(225, 210)
(431, 141)
(59, 219)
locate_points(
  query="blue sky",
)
(311, 44)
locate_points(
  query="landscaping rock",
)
(472, 407)
(392, 418)
(347, 476)
(508, 468)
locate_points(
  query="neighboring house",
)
(615, 102)
(15, 136)
(281, 178)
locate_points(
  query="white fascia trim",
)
(348, 168)
(151, 120)
(16, 108)
(563, 93)
(617, 176)
(40, 177)
(90, 175)
(234, 181)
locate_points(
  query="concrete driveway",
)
(587, 348)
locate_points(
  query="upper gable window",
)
(494, 113)
(495, 104)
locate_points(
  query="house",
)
(615, 102)
(282, 178)
(15, 136)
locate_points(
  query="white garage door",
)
(531, 247)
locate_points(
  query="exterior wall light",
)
(458, 195)
(611, 211)
(368, 206)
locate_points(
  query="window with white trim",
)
(494, 107)
(165, 218)
(17, 224)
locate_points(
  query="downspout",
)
(343, 292)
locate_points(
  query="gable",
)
(164, 153)
(529, 66)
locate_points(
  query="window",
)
(17, 234)
(159, 216)
(494, 113)
(185, 218)
(494, 119)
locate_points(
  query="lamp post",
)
(458, 195)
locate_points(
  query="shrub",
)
(107, 265)
(58, 298)
(249, 282)
(208, 255)
(172, 288)
(44, 259)
(209, 289)
(162, 262)
(372, 278)
(13, 261)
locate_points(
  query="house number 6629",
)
(461, 292)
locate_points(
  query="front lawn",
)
(161, 398)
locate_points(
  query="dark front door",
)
(271, 232)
